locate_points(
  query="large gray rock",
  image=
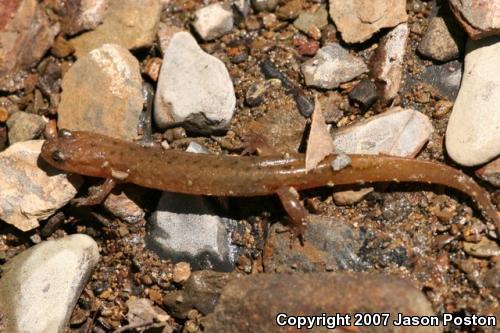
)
(480, 18)
(473, 132)
(253, 302)
(129, 23)
(194, 87)
(332, 66)
(40, 286)
(28, 193)
(213, 21)
(358, 20)
(102, 93)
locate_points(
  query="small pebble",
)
(182, 272)
(364, 94)
(341, 161)
(484, 249)
(213, 21)
(332, 66)
(25, 126)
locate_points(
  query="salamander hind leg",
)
(296, 211)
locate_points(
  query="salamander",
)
(96, 155)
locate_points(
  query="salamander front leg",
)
(296, 211)
(97, 194)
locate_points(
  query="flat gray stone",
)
(129, 23)
(332, 66)
(396, 132)
(186, 228)
(473, 132)
(102, 93)
(29, 193)
(40, 286)
(213, 21)
(194, 87)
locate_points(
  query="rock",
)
(491, 278)
(491, 172)
(61, 47)
(201, 292)
(142, 311)
(332, 66)
(28, 193)
(185, 228)
(439, 42)
(484, 249)
(102, 93)
(80, 15)
(187, 69)
(213, 21)
(319, 142)
(472, 135)
(332, 105)
(351, 197)
(479, 18)
(386, 65)
(124, 207)
(264, 5)
(358, 20)
(312, 21)
(305, 46)
(445, 78)
(242, 6)
(182, 271)
(289, 10)
(255, 93)
(25, 36)
(195, 147)
(40, 286)
(25, 126)
(252, 303)
(329, 245)
(364, 94)
(136, 21)
(396, 132)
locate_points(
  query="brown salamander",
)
(96, 155)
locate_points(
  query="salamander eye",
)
(58, 156)
(64, 133)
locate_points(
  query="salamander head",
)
(75, 152)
